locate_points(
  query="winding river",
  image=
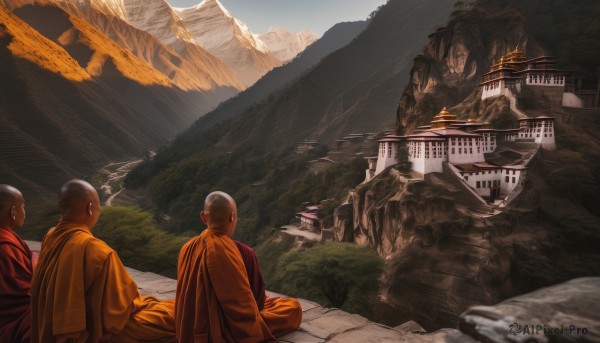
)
(116, 173)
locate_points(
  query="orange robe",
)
(214, 302)
(15, 282)
(282, 315)
(82, 293)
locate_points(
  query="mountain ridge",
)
(60, 120)
(286, 45)
(228, 38)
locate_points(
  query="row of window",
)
(492, 85)
(493, 183)
(545, 78)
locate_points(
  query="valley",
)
(436, 156)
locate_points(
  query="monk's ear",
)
(90, 208)
(12, 213)
(203, 217)
(231, 217)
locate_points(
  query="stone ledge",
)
(319, 324)
(576, 302)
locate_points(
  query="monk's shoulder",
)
(98, 249)
(219, 245)
(10, 251)
(12, 246)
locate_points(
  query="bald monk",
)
(15, 269)
(80, 290)
(278, 313)
(214, 300)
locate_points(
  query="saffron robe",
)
(214, 302)
(82, 293)
(15, 283)
(282, 315)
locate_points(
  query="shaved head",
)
(9, 196)
(12, 207)
(220, 212)
(79, 202)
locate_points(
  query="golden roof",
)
(443, 119)
(516, 55)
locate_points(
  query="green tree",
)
(134, 235)
(342, 275)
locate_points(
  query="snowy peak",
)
(153, 16)
(286, 45)
(157, 18)
(210, 22)
(228, 38)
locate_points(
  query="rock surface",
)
(573, 307)
(453, 63)
(576, 303)
(319, 324)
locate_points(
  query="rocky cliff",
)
(452, 64)
(445, 252)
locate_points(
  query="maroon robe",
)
(282, 315)
(257, 283)
(15, 283)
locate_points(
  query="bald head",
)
(12, 207)
(79, 202)
(220, 212)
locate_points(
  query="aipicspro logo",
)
(515, 328)
(541, 329)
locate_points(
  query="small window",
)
(466, 178)
(478, 184)
(514, 179)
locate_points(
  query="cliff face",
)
(445, 252)
(452, 64)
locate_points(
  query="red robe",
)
(15, 283)
(257, 283)
(282, 315)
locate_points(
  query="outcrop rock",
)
(569, 312)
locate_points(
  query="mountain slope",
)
(71, 100)
(444, 256)
(190, 68)
(157, 18)
(355, 89)
(226, 37)
(335, 38)
(286, 45)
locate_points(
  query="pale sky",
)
(294, 15)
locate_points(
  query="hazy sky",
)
(294, 15)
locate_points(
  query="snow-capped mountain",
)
(157, 18)
(285, 44)
(228, 38)
(153, 16)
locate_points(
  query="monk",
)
(214, 301)
(80, 290)
(15, 269)
(280, 314)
